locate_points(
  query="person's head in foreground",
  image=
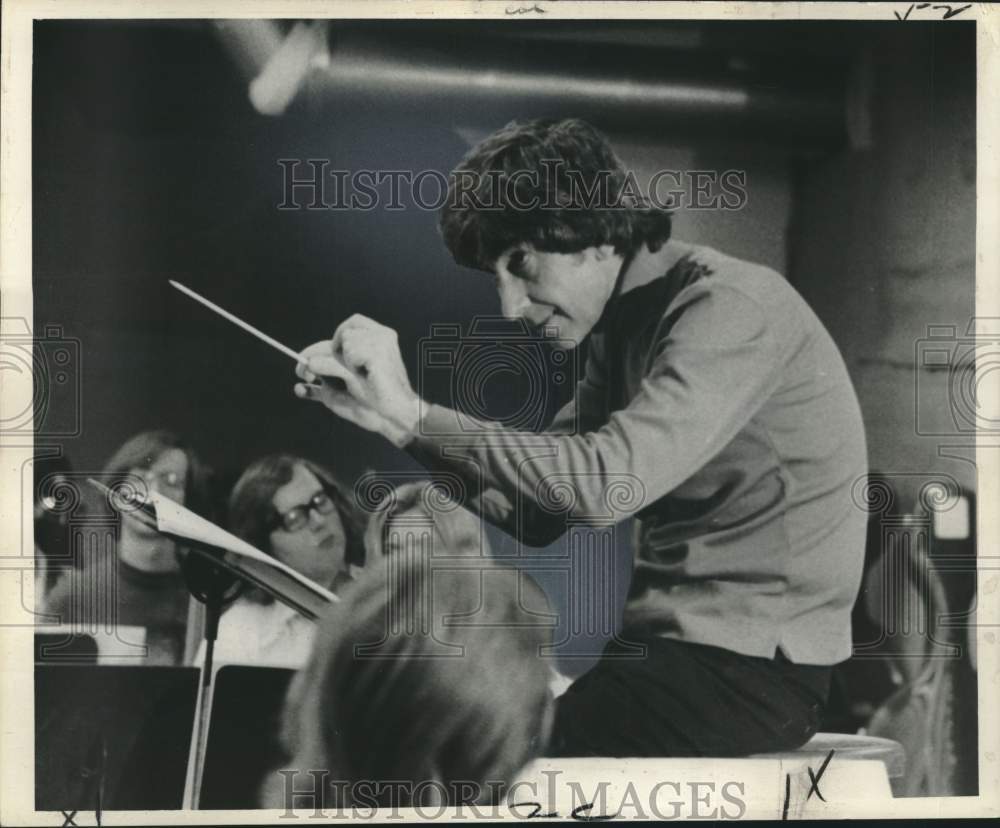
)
(158, 461)
(295, 510)
(392, 693)
(546, 207)
(419, 512)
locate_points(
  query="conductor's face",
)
(566, 292)
(308, 535)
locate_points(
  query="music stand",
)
(243, 735)
(216, 560)
(62, 647)
(112, 737)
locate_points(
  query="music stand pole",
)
(213, 586)
(203, 707)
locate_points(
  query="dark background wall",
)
(150, 164)
(883, 246)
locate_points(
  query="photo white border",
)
(16, 678)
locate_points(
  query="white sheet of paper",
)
(174, 519)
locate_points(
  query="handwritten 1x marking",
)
(814, 778)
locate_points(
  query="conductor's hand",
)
(359, 375)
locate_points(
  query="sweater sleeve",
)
(714, 363)
(586, 411)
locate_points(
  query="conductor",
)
(710, 387)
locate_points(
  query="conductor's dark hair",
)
(421, 698)
(143, 449)
(555, 185)
(251, 507)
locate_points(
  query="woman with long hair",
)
(136, 581)
(294, 510)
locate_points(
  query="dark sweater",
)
(106, 591)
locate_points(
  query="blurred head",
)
(423, 512)
(387, 697)
(169, 466)
(295, 510)
(545, 207)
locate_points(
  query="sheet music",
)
(295, 171)
(174, 519)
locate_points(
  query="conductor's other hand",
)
(363, 379)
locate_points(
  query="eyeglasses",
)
(297, 517)
(163, 479)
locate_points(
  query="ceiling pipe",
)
(490, 81)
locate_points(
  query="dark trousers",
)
(686, 699)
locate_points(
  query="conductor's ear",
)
(605, 251)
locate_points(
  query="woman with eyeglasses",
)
(294, 510)
(136, 582)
